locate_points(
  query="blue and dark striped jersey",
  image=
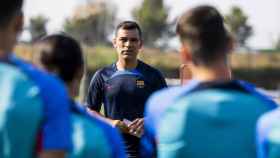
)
(124, 94)
(235, 102)
(268, 137)
(93, 137)
(34, 106)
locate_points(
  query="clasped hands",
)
(136, 127)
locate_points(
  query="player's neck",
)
(125, 65)
(4, 47)
(211, 73)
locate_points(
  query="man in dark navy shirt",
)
(124, 86)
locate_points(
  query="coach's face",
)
(127, 43)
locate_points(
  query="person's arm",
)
(115, 123)
(95, 99)
(55, 138)
(95, 92)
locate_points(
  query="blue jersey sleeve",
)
(56, 131)
(252, 89)
(148, 144)
(113, 137)
(117, 143)
(267, 124)
(95, 92)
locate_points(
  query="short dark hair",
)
(129, 25)
(62, 53)
(203, 28)
(8, 9)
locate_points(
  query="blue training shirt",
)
(156, 106)
(124, 94)
(54, 130)
(268, 135)
(21, 108)
(93, 137)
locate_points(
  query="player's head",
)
(62, 55)
(202, 32)
(128, 40)
(11, 23)
(129, 25)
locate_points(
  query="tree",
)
(92, 23)
(152, 16)
(238, 25)
(38, 27)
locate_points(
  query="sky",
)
(263, 14)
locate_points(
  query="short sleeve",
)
(160, 82)
(264, 127)
(95, 92)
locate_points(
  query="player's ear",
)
(231, 44)
(114, 42)
(141, 43)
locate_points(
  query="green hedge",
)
(268, 78)
(265, 72)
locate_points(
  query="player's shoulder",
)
(107, 69)
(163, 98)
(251, 88)
(105, 72)
(171, 94)
(45, 80)
(51, 87)
(17, 84)
(11, 72)
(148, 68)
(268, 119)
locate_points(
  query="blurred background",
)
(254, 23)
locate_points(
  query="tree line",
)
(93, 24)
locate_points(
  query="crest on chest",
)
(140, 84)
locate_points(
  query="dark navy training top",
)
(124, 93)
